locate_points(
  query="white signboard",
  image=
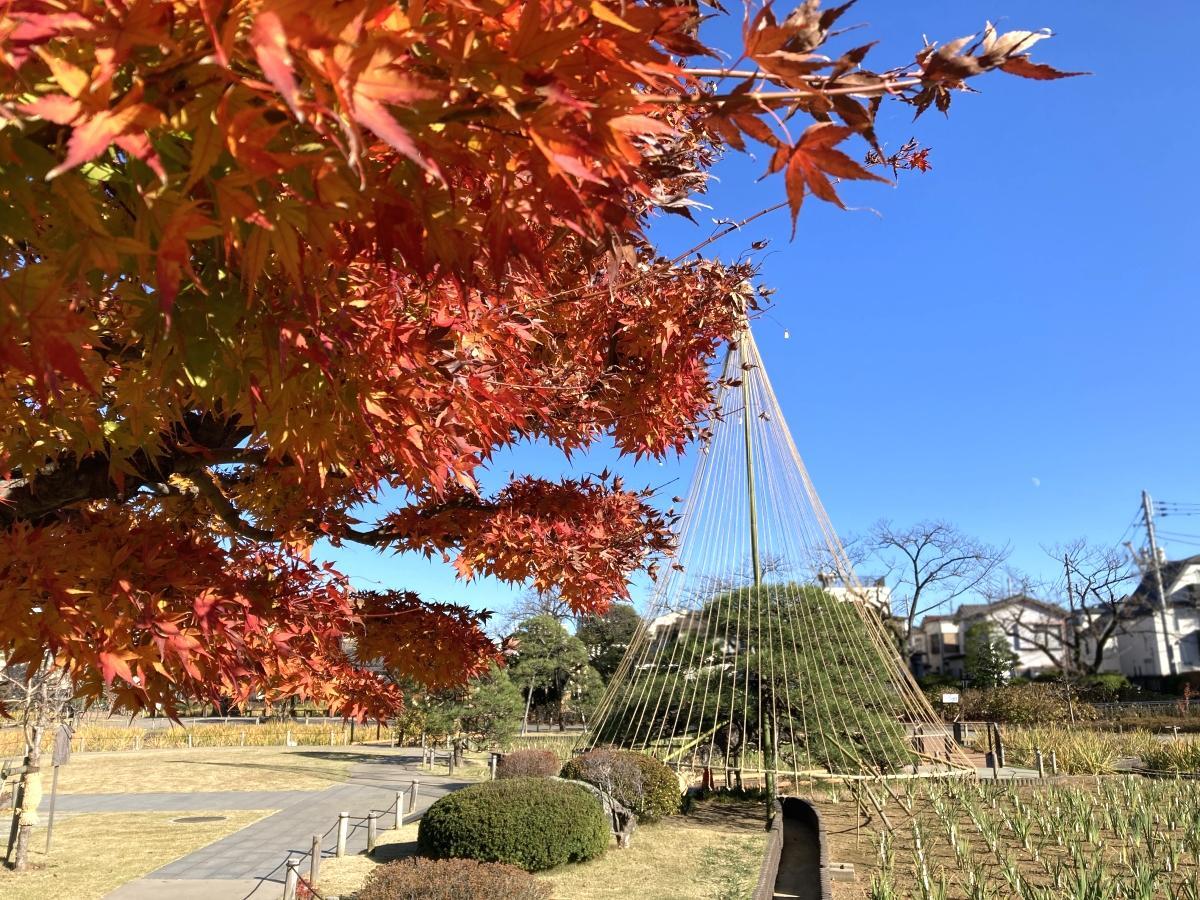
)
(949, 698)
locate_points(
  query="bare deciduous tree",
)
(930, 564)
(1095, 584)
(537, 603)
(38, 696)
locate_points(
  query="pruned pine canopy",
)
(763, 654)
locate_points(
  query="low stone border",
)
(799, 808)
(809, 812)
(765, 889)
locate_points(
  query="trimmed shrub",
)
(534, 823)
(635, 780)
(528, 764)
(451, 879)
(1022, 704)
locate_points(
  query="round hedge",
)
(635, 780)
(533, 823)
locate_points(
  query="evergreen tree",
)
(988, 658)
(547, 658)
(608, 636)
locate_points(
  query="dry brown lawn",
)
(94, 853)
(221, 769)
(716, 851)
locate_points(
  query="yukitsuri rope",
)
(763, 654)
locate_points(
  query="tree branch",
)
(207, 487)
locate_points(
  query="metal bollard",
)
(372, 831)
(291, 880)
(1037, 759)
(314, 861)
(343, 832)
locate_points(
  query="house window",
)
(935, 643)
(1189, 649)
(1018, 642)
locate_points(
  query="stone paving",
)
(255, 856)
(173, 802)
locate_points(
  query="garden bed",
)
(1120, 837)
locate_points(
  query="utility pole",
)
(1156, 571)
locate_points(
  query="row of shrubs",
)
(483, 840)
(451, 879)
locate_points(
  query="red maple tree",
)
(265, 258)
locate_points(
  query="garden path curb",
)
(259, 851)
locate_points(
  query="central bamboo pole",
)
(766, 724)
(749, 460)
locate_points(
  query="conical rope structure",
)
(764, 661)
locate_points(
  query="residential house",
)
(873, 592)
(1141, 647)
(1035, 631)
(1148, 634)
(933, 647)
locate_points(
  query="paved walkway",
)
(174, 802)
(229, 868)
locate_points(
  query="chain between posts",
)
(293, 878)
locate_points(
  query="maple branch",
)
(206, 485)
(781, 79)
(560, 296)
(42, 493)
(885, 87)
(228, 456)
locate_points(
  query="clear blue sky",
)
(1011, 343)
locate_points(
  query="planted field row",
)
(1125, 837)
